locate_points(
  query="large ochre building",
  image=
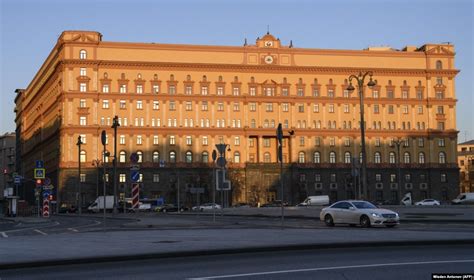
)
(175, 102)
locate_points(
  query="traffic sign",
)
(134, 158)
(162, 163)
(46, 194)
(39, 164)
(46, 208)
(134, 176)
(221, 161)
(47, 181)
(134, 167)
(17, 180)
(39, 173)
(135, 195)
(226, 186)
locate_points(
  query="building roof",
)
(470, 142)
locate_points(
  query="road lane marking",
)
(327, 268)
(41, 232)
(28, 228)
(4, 235)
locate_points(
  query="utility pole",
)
(279, 134)
(79, 143)
(115, 125)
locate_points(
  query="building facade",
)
(175, 102)
(7, 164)
(466, 165)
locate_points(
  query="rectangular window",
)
(378, 177)
(122, 139)
(105, 88)
(330, 93)
(189, 140)
(393, 178)
(83, 138)
(156, 89)
(139, 140)
(285, 107)
(123, 104)
(405, 109)
(156, 105)
(266, 142)
(390, 94)
(83, 121)
(407, 177)
(376, 109)
(316, 108)
(83, 177)
(189, 106)
(420, 110)
(301, 108)
(421, 142)
(377, 142)
(122, 178)
(220, 91)
(317, 141)
(82, 103)
(441, 142)
(345, 93)
(139, 88)
(155, 140)
(204, 106)
(332, 142)
(284, 91)
(390, 109)
(346, 108)
(105, 104)
(347, 142)
(375, 94)
(236, 91)
(204, 91)
(172, 106)
(236, 107)
(331, 108)
(439, 95)
(315, 92)
(300, 92)
(188, 90)
(269, 107)
(333, 178)
(419, 95)
(139, 105)
(172, 90)
(204, 141)
(443, 178)
(317, 177)
(251, 142)
(440, 125)
(252, 106)
(156, 178)
(302, 141)
(83, 72)
(172, 140)
(220, 106)
(404, 94)
(440, 110)
(123, 89)
(237, 141)
(253, 91)
(82, 87)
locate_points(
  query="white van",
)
(464, 198)
(315, 200)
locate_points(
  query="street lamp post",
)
(360, 83)
(214, 157)
(79, 202)
(115, 125)
(398, 142)
(221, 162)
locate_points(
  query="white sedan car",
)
(428, 201)
(358, 212)
(206, 206)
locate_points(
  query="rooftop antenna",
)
(291, 43)
(268, 29)
(245, 42)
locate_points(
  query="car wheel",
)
(391, 226)
(364, 221)
(164, 210)
(328, 220)
(202, 209)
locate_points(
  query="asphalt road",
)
(75, 225)
(345, 264)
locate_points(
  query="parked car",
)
(168, 208)
(464, 198)
(428, 201)
(275, 203)
(358, 212)
(315, 201)
(144, 207)
(67, 209)
(206, 206)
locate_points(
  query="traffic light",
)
(50, 197)
(39, 182)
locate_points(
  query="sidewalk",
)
(140, 244)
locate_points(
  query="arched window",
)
(317, 157)
(122, 156)
(140, 156)
(391, 158)
(421, 158)
(156, 157)
(205, 157)
(332, 157)
(301, 157)
(236, 157)
(266, 157)
(83, 156)
(406, 157)
(265, 123)
(377, 157)
(439, 64)
(347, 157)
(173, 157)
(442, 157)
(82, 54)
(252, 123)
(189, 157)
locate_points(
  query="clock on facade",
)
(268, 59)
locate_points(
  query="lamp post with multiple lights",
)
(360, 78)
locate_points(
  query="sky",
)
(30, 28)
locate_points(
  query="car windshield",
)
(363, 205)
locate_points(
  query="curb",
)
(299, 247)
